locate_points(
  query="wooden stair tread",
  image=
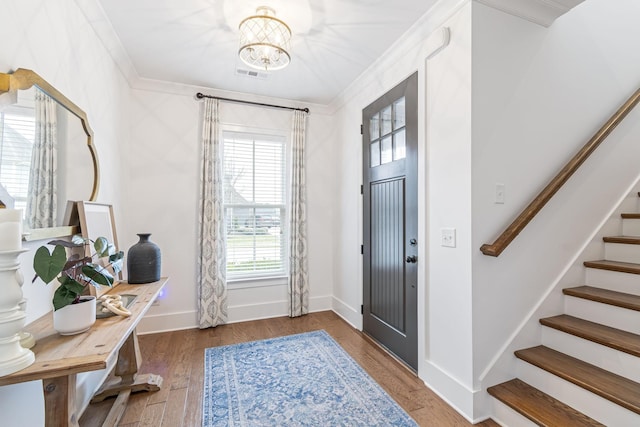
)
(630, 215)
(627, 240)
(537, 406)
(624, 267)
(613, 387)
(605, 296)
(611, 337)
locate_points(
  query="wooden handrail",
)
(558, 181)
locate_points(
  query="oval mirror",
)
(47, 155)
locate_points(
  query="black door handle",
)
(412, 259)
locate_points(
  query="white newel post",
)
(13, 357)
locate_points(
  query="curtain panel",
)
(42, 201)
(298, 276)
(212, 309)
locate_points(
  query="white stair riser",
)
(622, 252)
(613, 280)
(615, 317)
(604, 357)
(630, 227)
(507, 417)
(590, 404)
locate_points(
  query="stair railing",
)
(510, 233)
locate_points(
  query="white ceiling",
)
(196, 41)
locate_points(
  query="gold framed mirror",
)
(74, 174)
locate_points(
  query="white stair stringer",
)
(590, 404)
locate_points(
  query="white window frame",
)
(276, 278)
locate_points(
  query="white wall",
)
(444, 146)
(55, 40)
(538, 95)
(162, 162)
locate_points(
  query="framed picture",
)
(96, 220)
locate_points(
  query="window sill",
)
(256, 282)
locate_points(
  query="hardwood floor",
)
(179, 358)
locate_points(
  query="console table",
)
(60, 358)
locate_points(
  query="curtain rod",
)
(201, 95)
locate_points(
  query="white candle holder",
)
(13, 357)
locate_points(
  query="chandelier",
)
(264, 41)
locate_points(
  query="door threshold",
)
(390, 353)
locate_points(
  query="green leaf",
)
(66, 293)
(64, 243)
(101, 246)
(78, 240)
(117, 261)
(47, 266)
(97, 275)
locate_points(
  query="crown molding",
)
(542, 12)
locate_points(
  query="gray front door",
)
(390, 201)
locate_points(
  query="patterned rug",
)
(297, 380)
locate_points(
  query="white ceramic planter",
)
(75, 318)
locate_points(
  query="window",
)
(387, 134)
(255, 204)
(17, 132)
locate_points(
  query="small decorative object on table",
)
(72, 314)
(13, 357)
(143, 261)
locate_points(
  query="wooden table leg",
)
(126, 368)
(60, 401)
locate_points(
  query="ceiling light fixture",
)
(264, 41)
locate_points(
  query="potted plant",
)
(74, 312)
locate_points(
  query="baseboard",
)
(449, 389)
(151, 324)
(350, 315)
(156, 323)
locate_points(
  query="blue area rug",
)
(297, 380)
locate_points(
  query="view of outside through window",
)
(255, 204)
(17, 129)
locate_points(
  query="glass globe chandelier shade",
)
(264, 41)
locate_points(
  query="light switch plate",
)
(448, 237)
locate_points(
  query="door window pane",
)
(399, 145)
(385, 117)
(374, 128)
(386, 150)
(375, 154)
(399, 113)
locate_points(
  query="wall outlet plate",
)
(448, 237)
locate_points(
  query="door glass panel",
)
(398, 113)
(399, 145)
(374, 128)
(386, 120)
(375, 154)
(386, 150)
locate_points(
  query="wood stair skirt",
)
(545, 410)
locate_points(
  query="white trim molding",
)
(542, 12)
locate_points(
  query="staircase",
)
(587, 370)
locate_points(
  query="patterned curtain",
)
(212, 266)
(42, 203)
(298, 277)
